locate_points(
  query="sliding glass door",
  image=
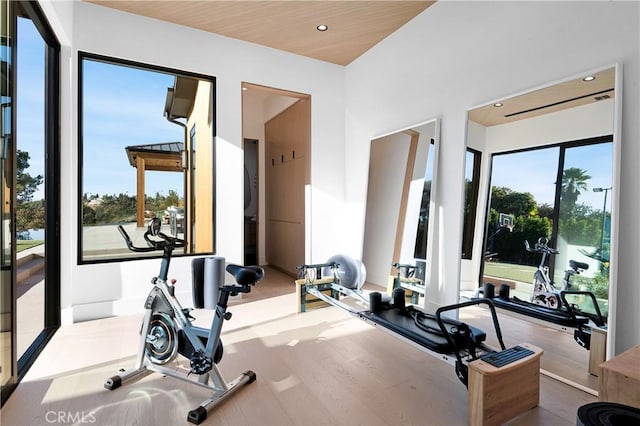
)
(584, 219)
(7, 341)
(30, 190)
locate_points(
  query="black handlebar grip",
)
(125, 236)
(152, 246)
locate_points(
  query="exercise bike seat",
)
(245, 275)
(574, 264)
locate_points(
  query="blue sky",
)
(122, 106)
(29, 106)
(536, 171)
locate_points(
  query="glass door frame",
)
(31, 10)
(6, 387)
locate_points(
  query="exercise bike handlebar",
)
(153, 245)
(540, 247)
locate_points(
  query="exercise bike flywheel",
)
(162, 342)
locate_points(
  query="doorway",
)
(279, 121)
(250, 201)
(30, 311)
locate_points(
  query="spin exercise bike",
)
(550, 303)
(167, 328)
(544, 293)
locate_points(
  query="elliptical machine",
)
(167, 329)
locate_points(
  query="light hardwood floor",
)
(323, 367)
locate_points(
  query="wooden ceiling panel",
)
(561, 96)
(354, 26)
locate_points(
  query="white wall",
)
(91, 291)
(583, 122)
(457, 55)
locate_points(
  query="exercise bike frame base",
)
(113, 383)
(220, 392)
(199, 414)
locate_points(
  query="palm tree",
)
(574, 180)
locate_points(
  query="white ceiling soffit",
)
(353, 26)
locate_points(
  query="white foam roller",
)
(213, 279)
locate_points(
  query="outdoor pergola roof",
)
(166, 156)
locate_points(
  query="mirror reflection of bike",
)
(544, 293)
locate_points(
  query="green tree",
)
(582, 226)
(545, 210)
(29, 213)
(574, 181)
(506, 200)
(26, 184)
(528, 225)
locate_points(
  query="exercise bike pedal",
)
(187, 313)
(200, 364)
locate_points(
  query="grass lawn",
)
(523, 273)
(510, 271)
(27, 244)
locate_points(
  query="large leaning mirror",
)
(545, 215)
(399, 205)
(146, 143)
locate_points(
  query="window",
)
(138, 159)
(561, 193)
(471, 184)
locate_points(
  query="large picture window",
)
(138, 158)
(559, 193)
(471, 186)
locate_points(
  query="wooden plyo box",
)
(499, 394)
(598, 350)
(620, 379)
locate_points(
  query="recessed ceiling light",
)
(589, 78)
(498, 104)
(244, 88)
(322, 27)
